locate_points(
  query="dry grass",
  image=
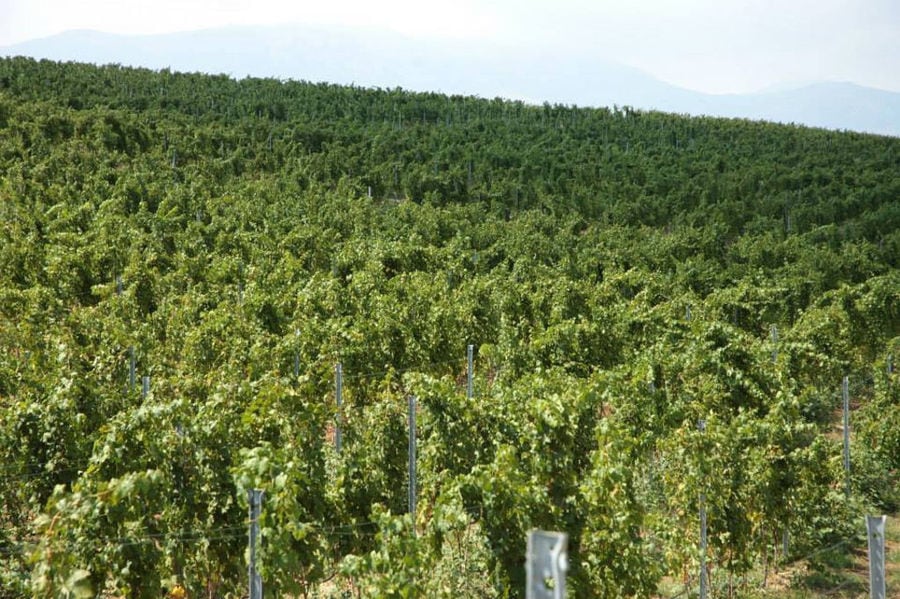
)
(840, 574)
(892, 557)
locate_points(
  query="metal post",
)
(875, 528)
(118, 285)
(145, 386)
(412, 457)
(546, 560)
(255, 497)
(845, 391)
(687, 313)
(704, 583)
(339, 398)
(470, 387)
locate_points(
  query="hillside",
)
(530, 71)
(621, 275)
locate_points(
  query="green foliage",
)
(618, 272)
(397, 567)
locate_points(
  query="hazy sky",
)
(716, 46)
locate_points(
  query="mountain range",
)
(534, 74)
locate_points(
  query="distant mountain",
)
(383, 59)
(829, 105)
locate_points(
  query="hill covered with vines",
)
(621, 274)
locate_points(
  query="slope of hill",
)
(373, 58)
(187, 260)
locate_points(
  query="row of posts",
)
(339, 383)
(339, 394)
(876, 574)
(547, 552)
(255, 495)
(876, 534)
(875, 531)
(874, 524)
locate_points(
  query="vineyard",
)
(186, 261)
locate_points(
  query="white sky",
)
(717, 46)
